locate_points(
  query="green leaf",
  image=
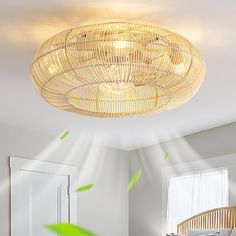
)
(166, 155)
(135, 179)
(84, 188)
(65, 229)
(64, 135)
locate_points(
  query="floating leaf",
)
(84, 188)
(64, 135)
(65, 229)
(135, 179)
(166, 156)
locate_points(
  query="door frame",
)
(18, 164)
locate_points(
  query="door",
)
(40, 195)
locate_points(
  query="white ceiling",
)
(210, 25)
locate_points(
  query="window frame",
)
(224, 161)
(193, 174)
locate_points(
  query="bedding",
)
(210, 232)
(233, 232)
(174, 234)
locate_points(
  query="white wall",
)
(146, 204)
(145, 197)
(104, 209)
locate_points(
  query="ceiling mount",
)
(117, 69)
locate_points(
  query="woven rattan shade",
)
(117, 69)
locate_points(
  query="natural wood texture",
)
(117, 69)
(219, 218)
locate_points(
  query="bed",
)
(220, 218)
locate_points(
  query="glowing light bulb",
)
(116, 87)
(123, 44)
(53, 69)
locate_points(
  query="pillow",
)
(201, 232)
(233, 232)
(211, 234)
(173, 234)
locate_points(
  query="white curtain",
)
(194, 193)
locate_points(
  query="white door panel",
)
(39, 198)
(45, 201)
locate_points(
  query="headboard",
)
(219, 218)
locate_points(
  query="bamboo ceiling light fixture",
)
(117, 69)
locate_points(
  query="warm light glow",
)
(123, 44)
(53, 69)
(117, 69)
(116, 87)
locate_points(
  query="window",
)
(194, 193)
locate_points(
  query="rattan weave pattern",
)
(117, 69)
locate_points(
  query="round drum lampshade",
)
(117, 70)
